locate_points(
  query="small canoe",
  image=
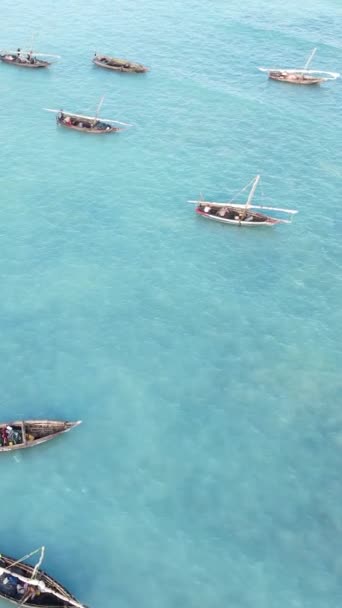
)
(95, 126)
(21, 584)
(88, 124)
(232, 215)
(299, 78)
(241, 215)
(301, 75)
(28, 433)
(23, 62)
(119, 65)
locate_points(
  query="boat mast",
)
(251, 194)
(99, 106)
(310, 58)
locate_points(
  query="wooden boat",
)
(28, 433)
(241, 215)
(88, 124)
(25, 59)
(21, 584)
(119, 65)
(302, 75)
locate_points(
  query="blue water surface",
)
(204, 360)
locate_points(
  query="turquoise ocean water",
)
(204, 360)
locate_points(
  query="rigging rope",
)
(38, 564)
(240, 191)
(25, 556)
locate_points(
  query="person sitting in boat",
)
(18, 53)
(11, 580)
(13, 435)
(26, 591)
(67, 120)
(4, 436)
(30, 592)
(10, 432)
(21, 588)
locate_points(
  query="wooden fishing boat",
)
(88, 124)
(119, 65)
(301, 75)
(241, 215)
(21, 584)
(26, 59)
(28, 433)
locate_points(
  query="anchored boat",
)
(28, 433)
(241, 215)
(301, 75)
(21, 584)
(119, 65)
(88, 124)
(26, 59)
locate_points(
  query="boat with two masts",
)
(118, 65)
(88, 124)
(242, 215)
(300, 75)
(21, 584)
(26, 59)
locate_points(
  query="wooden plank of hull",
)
(25, 64)
(265, 222)
(43, 599)
(41, 430)
(120, 68)
(290, 80)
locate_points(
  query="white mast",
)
(251, 194)
(99, 106)
(310, 58)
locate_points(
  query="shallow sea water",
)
(204, 360)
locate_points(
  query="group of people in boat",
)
(290, 77)
(73, 121)
(16, 589)
(229, 213)
(21, 58)
(10, 436)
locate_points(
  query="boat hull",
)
(9, 592)
(257, 221)
(40, 430)
(302, 81)
(120, 68)
(92, 131)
